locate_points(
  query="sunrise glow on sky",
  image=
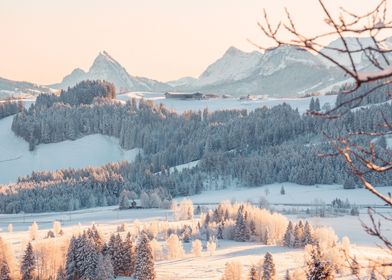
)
(44, 40)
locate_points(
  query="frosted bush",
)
(196, 248)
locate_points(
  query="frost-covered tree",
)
(104, 268)
(308, 234)
(28, 265)
(289, 238)
(71, 268)
(241, 230)
(298, 235)
(174, 247)
(269, 272)
(317, 267)
(128, 256)
(124, 200)
(144, 266)
(233, 271)
(116, 251)
(184, 211)
(196, 248)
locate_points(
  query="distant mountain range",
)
(10, 88)
(279, 72)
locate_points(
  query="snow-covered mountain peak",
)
(232, 66)
(105, 67)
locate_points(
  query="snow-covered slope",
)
(279, 72)
(107, 68)
(93, 150)
(234, 65)
(9, 88)
(361, 61)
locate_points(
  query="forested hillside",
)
(250, 148)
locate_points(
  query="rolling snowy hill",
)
(9, 88)
(93, 150)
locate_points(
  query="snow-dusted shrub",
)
(233, 271)
(174, 247)
(56, 227)
(33, 231)
(325, 236)
(197, 248)
(211, 247)
(156, 250)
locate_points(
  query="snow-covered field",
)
(214, 104)
(93, 150)
(295, 194)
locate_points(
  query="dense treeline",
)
(8, 108)
(378, 96)
(250, 148)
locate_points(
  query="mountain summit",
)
(105, 67)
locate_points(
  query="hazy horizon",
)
(164, 40)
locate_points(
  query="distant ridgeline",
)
(263, 146)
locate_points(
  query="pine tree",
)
(241, 231)
(288, 239)
(28, 264)
(254, 274)
(298, 235)
(308, 234)
(317, 105)
(116, 251)
(128, 262)
(144, 266)
(104, 268)
(71, 270)
(282, 190)
(317, 268)
(311, 105)
(4, 271)
(86, 258)
(269, 267)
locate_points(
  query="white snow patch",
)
(93, 150)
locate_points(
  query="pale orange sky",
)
(44, 40)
